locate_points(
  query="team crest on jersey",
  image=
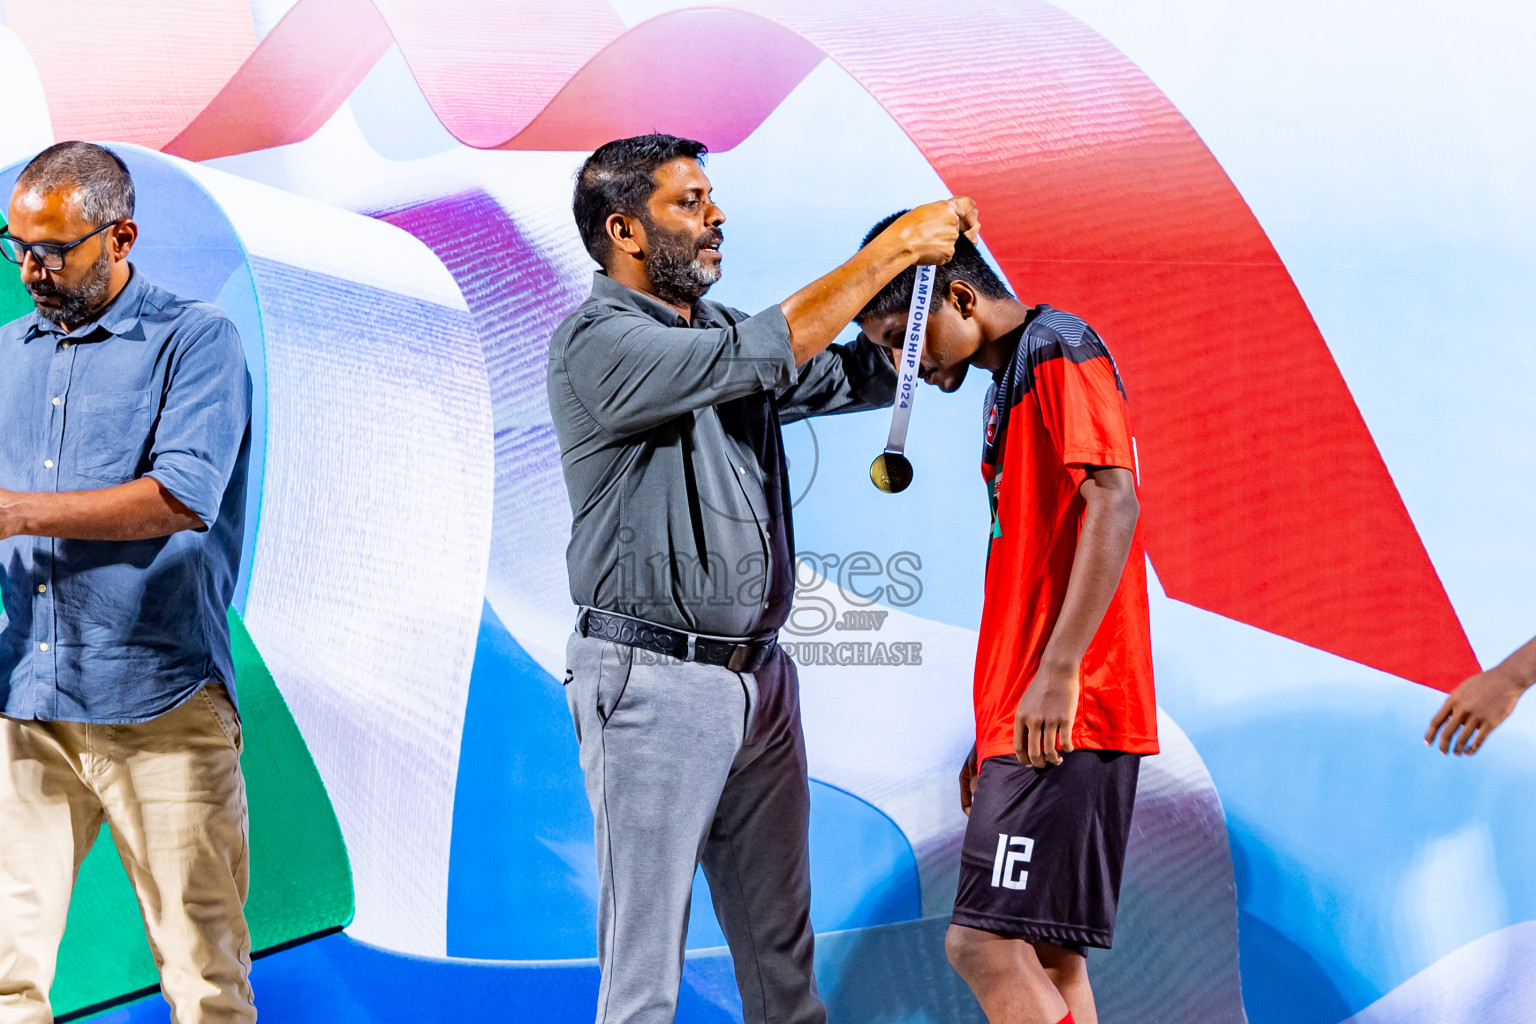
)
(991, 424)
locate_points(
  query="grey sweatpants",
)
(686, 761)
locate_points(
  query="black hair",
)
(106, 187)
(968, 265)
(619, 177)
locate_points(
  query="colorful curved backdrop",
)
(1319, 315)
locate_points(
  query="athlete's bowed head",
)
(972, 308)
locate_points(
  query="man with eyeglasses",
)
(124, 442)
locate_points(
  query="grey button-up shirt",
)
(669, 440)
(106, 631)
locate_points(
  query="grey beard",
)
(81, 302)
(678, 274)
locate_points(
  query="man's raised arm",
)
(818, 312)
(631, 373)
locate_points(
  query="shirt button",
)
(68, 343)
(42, 647)
(42, 588)
(741, 469)
(47, 463)
(55, 401)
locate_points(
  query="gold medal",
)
(891, 472)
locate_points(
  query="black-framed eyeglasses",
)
(49, 255)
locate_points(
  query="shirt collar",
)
(120, 316)
(606, 287)
(1014, 337)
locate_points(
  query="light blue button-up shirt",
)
(122, 631)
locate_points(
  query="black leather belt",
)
(747, 655)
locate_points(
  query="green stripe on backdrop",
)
(301, 884)
(14, 300)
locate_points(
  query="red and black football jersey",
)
(1055, 410)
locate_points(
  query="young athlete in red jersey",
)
(1063, 688)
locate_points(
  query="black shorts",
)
(1045, 847)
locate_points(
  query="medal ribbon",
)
(911, 355)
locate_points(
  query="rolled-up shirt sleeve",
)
(631, 373)
(204, 417)
(840, 378)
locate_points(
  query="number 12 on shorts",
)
(1012, 851)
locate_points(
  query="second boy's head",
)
(964, 290)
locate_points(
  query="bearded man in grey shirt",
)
(668, 407)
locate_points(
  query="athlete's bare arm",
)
(1049, 705)
(1482, 702)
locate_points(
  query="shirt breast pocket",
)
(105, 435)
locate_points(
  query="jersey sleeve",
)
(1083, 405)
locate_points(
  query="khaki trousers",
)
(172, 793)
